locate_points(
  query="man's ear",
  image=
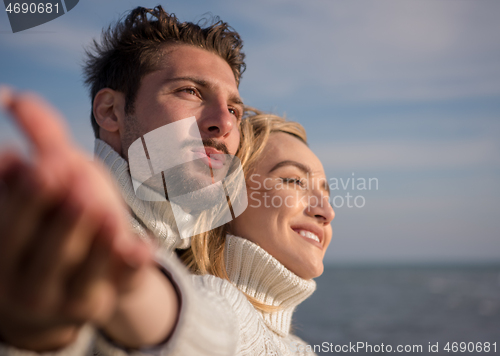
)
(109, 110)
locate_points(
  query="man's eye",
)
(191, 91)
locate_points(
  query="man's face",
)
(190, 82)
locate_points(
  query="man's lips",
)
(210, 156)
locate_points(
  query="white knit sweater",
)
(216, 317)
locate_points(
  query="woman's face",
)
(288, 212)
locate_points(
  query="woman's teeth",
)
(309, 235)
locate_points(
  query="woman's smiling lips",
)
(311, 233)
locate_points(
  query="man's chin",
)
(208, 198)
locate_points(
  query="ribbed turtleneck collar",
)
(258, 274)
(157, 217)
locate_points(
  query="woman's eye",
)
(234, 112)
(296, 181)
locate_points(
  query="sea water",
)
(428, 306)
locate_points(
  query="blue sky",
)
(404, 92)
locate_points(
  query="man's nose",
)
(216, 121)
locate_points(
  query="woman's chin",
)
(309, 272)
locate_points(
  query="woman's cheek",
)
(284, 199)
(293, 199)
(254, 200)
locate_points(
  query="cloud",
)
(60, 44)
(414, 155)
(375, 51)
(354, 51)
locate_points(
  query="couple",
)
(68, 258)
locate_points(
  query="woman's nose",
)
(320, 208)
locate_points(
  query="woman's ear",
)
(109, 110)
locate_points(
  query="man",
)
(164, 72)
(67, 255)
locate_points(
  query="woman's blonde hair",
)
(206, 253)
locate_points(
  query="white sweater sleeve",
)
(206, 325)
(81, 347)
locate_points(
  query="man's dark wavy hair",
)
(130, 49)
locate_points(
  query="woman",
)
(254, 271)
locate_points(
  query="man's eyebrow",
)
(305, 169)
(234, 98)
(199, 81)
